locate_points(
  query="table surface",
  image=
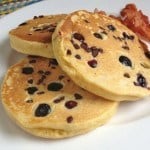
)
(8, 6)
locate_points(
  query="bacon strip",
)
(136, 21)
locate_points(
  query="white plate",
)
(130, 127)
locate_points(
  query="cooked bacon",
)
(144, 45)
(136, 21)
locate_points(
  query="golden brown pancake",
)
(34, 36)
(103, 56)
(43, 100)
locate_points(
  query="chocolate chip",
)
(86, 21)
(35, 17)
(33, 56)
(125, 42)
(53, 61)
(22, 24)
(95, 51)
(42, 110)
(76, 46)
(141, 81)
(58, 100)
(126, 75)
(47, 73)
(71, 104)
(41, 79)
(78, 37)
(126, 47)
(69, 52)
(27, 70)
(30, 81)
(77, 56)
(54, 86)
(39, 93)
(53, 67)
(32, 61)
(126, 36)
(111, 27)
(85, 46)
(69, 119)
(92, 63)
(61, 77)
(78, 96)
(125, 61)
(41, 16)
(60, 33)
(147, 54)
(45, 27)
(29, 101)
(98, 35)
(40, 71)
(32, 90)
(120, 39)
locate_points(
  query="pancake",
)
(34, 36)
(103, 56)
(43, 100)
(54, 133)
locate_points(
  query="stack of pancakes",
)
(80, 66)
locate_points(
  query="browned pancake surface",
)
(38, 29)
(39, 96)
(102, 56)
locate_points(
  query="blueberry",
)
(27, 70)
(54, 86)
(32, 90)
(125, 61)
(111, 27)
(42, 110)
(92, 63)
(141, 80)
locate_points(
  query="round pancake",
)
(103, 56)
(34, 36)
(42, 99)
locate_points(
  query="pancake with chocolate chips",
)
(33, 37)
(43, 100)
(103, 56)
